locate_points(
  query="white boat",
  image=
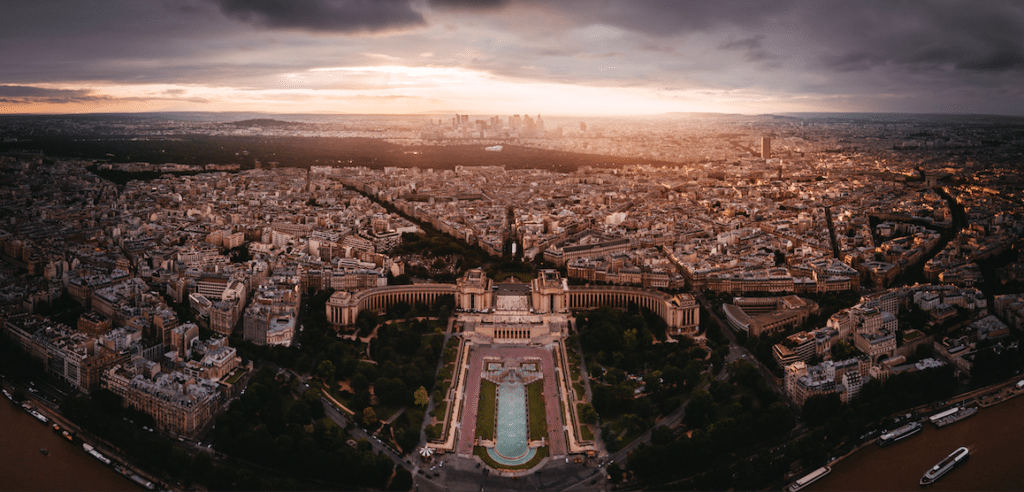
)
(900, 433)
(40, 417)
(95, 454)
(810, 478)
(135, 477)
(943, 467)
(952, 415)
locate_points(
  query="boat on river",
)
(95, 454)
(900, 433)
(955, 459)
(810, 478)
(952, 415)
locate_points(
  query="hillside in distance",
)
(303, 152)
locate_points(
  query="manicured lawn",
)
(485, 411)
(616, 427)
(911, 335)
(482, 453)
(236, 376)
(585, 433)
(538, 418)
(581, 394)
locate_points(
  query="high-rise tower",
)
(766, 147)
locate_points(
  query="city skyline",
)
(505, 57)
(419, 303)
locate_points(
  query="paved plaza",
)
(555, 427)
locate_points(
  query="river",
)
(67, 467)
(995, 437)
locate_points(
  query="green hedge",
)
(485, 411)
(538, 420)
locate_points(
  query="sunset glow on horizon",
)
(604, 58)
(402, 91)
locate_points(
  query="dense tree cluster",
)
(17, 364)
(275, 426)
(741, 416)
(239, 254)
(838, 426)
(399, 360)
(736, 415)
(993, 363)
(102, 142)
(633, 379)
(448, 257)
(103, 416)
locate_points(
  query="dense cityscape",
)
(511, 245)
(683, 301)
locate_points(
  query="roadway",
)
(741, 350)
(359, 433)
(343, 421)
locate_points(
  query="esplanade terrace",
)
(511, 335)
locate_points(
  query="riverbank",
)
(995, 438)
(65, 466)
(34, 476)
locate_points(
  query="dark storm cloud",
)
(839, 35)
(751, 47)
(342, 16)
(326, 15)
(779, 48)
(111, 40)
(25, 94)
(894, 47)
(750, 43)
(903, 53)
(985, 36)
(671, 17)
(469, 4)
(997, 60)
(849, 62)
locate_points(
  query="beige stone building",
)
(181, 405)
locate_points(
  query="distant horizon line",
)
(555, 115)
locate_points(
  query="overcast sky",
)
(515, 56)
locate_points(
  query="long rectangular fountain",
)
(511, 438)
